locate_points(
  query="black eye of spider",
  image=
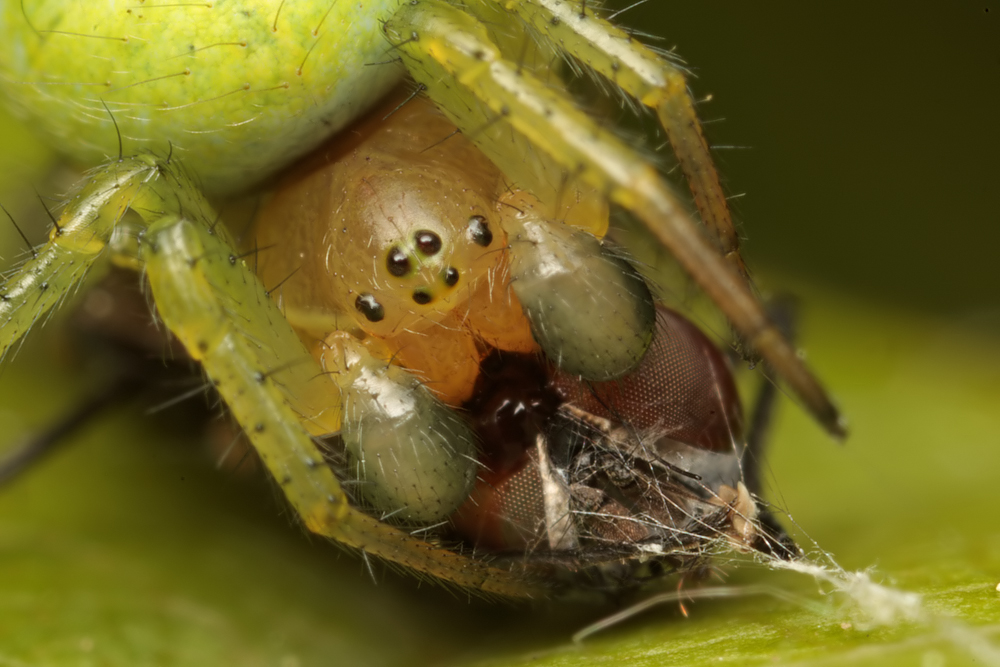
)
(479, 231)
(421, 297)
(428, 242)
(451, 276)
(397, 262)
(369, 307)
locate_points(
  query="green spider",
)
(216, 97)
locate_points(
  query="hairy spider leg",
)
(656, 83)
(653, 81)
(505, 108)
(211, 300)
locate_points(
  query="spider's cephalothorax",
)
(381, 302)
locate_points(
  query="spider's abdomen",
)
(238, 90)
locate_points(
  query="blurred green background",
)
(865, 139)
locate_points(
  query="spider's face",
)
(407, 232)
(394, 271)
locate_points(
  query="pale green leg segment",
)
(449, 52)
(655, 82)
(223, 316)
(85, 231)
(216, 306)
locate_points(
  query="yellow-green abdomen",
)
(237, 88)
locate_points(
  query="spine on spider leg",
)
(91, 230)
(221, 313)
(38, 285)
(75, 245)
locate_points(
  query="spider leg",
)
(222, 314)
(76, 245)
(214, 304)
(450, 53)
(653, 81)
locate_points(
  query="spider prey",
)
(218, 96)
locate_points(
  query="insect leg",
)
(773, 538)
(41, 444)
(783, 310)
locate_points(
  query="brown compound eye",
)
(682, 387)
(479, 231)
(368, 306)
(397, 262)
(427, 242)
